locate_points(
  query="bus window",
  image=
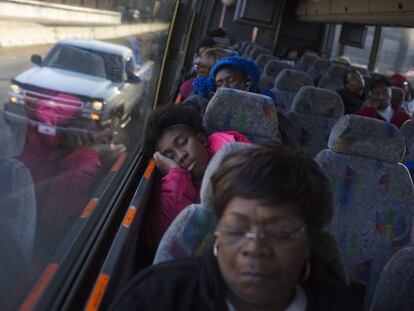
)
(71, 110)
(396, 52)
(357, 56)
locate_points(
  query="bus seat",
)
(333, 79)
(363, 71)
(263, 59)
(198, 102)
(319, 68)
(287, 84)
(306, 61)
(373, 194)
(314, 113)
(18, 207)
(266, 82)
(407, 131)
(274, 67)
(249, 49)
(254, 54)
(395, 289)
(192, 230)
(253, 115)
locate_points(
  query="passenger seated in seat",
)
(181, 150)
(271, 204)
(352, 94)
(380, 104)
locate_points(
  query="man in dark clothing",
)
(380, 104)
(353, 93)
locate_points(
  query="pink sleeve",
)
(176, 192)
(217, 140)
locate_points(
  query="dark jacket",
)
(352, 101)
(197, 284)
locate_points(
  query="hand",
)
(163, 163)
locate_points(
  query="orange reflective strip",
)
(95, 298)
(129, 217)
(149, 169)
(118, 163)
(89, 208)
(39, 288)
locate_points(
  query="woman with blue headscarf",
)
(243, 74)
(232, 72)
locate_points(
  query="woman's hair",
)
(168, 116)
(215, 54)
(274, 174)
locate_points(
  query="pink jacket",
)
(177, 190)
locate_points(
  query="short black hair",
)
(166, 116)
(217, 32)
(345, 77)
(275, 174)
(207, 42)
(377, 82)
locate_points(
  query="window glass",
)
(69, 107)
(396, 52)
(358, 56)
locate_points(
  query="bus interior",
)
(78, 82)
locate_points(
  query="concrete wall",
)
(56, 14)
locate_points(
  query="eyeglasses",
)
(281, 239)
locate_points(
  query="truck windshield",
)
(91, 62)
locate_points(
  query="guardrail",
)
(33, 35)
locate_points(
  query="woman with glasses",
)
(272, 205)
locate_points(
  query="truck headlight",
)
(14, 88)
(97, 105)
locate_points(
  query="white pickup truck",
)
(102, 78)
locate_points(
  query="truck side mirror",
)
(36, 59)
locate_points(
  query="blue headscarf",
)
(203, 85)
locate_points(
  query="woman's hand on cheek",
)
(163, 163)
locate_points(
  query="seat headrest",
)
(206, 190)
(308, 58)
(322, 63)
(263, 59)
(316, 101)
(407, 129)
(250, 114)
(257, 51)
(337, 71)
(274, 67)
(367, 137)
(292, 80)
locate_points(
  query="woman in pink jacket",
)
(181, 150)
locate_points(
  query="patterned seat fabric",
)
(193, 228)
(373, 194)
(395, 290)
(314, 113)
(408, 133)
(266, 82)
(287, 84)
(306, 62)
(319, 68)
(333, 79)
(251, 114)
(274, 67)
(263, 59)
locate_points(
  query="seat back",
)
(373, 194)
(319, 67)
(395, 289)
(251, 114)
(192, 230)
(18, 207)
(314, 113)
(407, 131)
(263, 59)
(274, 67)
(257, 51)
(287, 84)
(306, 61)
(397, 96)
(333, 79)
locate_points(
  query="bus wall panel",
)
(349, 6)
(391, 5)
